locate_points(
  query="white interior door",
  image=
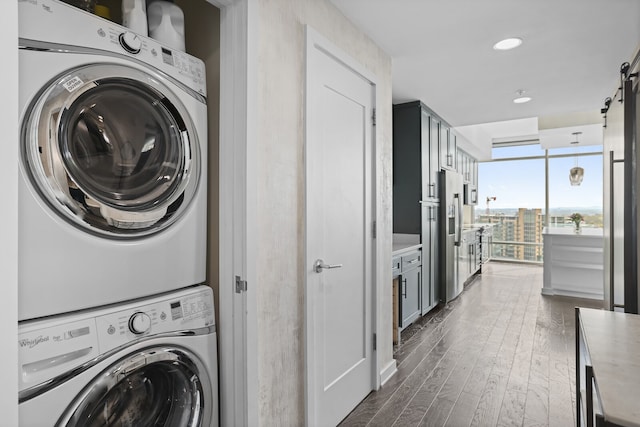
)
(339, 224)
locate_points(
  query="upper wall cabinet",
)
(448, 147)
(468, 168)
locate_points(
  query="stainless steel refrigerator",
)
(451, 198)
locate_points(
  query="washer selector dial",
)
(139, 323)
(130, 42)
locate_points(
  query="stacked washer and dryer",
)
(114, 326)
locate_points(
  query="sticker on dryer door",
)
(73, 83)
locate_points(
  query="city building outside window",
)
(513, 193)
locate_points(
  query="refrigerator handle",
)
(458, 220)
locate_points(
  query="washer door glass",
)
(155, 387)
(112, 150)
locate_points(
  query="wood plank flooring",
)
(501, 354)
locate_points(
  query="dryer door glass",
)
(156, 387)
(113, 150)
(122, 144)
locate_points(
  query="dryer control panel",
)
(54, 22)
(53, 346)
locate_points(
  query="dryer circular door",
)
(112, 150)
(157, 386)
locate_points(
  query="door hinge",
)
(374, 229)
(241, 285)
(375, 342)
(373, 116)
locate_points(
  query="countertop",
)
(569, 231)
(476, 226)
(613, 342)
(466, 229)
(403, 243)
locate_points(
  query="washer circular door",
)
(157, 386)
(112, 150)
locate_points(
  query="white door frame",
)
(237, 328)
(9, 214)
(315, 41)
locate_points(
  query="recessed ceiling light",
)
(507, 44)
(521, 99)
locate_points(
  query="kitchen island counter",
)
(573, 262)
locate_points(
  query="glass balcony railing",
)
(525, 252)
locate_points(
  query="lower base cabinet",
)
(407, 289)
(410, 284)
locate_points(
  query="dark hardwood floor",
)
(501, 354)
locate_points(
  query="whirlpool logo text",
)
(33, 342)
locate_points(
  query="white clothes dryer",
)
(152, 362)
(113, 188)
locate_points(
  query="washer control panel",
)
(52, 346)
(185, 312)
(53, 21)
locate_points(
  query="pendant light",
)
(576, 173)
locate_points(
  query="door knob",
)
(319, 265)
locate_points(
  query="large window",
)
(565, 199)
(513, 195)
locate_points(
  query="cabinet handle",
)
(404, 289)
(449, 159)
(413, 261)
(432, 190)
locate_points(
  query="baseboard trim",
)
(573, 294)
(388, 371)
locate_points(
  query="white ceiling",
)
(442, 53)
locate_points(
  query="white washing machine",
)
(112, 193)
(147, 363)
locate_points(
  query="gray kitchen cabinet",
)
(476, 256)
(448, 147)
(431, 157)
(410, 288)
(463, 166)
(415, 171)
(470, 255)
(468, 167)
(416, 175)
(463, 258)
(474, 171)
(430, 250)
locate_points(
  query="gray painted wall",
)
(280, 190)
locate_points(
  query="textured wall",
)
(280, 190)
